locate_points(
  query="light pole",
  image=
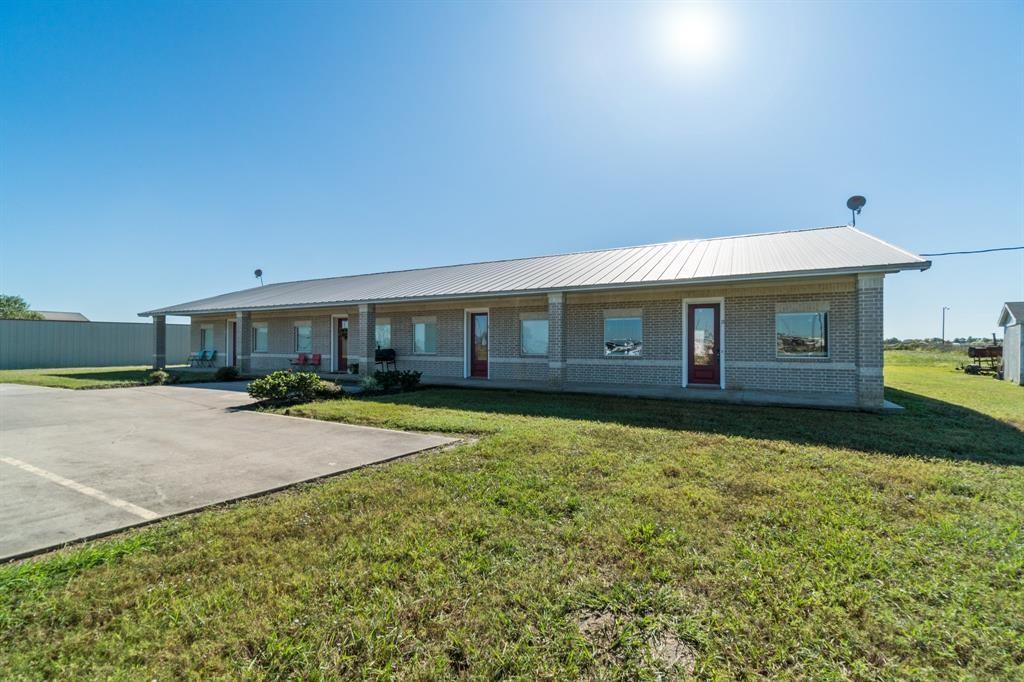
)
(944, 309)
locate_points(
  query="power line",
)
(957, 253)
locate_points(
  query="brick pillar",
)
(363, 339)
(869, 342)
(243, 330)
(159, 341)
(556, 338)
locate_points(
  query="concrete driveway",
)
(75, 464)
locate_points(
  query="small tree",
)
(15, 308)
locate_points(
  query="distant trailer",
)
(987, 359)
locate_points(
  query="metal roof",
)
(1011, 309)
(770, 255)
(57, 316)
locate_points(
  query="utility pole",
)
(944, 309)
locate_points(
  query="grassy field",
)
(576, 536)
(92, 377)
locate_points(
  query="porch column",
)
(870, 383)
(364, 343)
(159, 342)
(556, 338)
(243, 340)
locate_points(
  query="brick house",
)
(789, 317)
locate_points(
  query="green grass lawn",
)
(576, 536)
(93, 377)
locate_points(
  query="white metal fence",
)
(28, 344)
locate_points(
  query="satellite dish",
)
(855, 204)
(259, 275)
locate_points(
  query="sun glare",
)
(690, 35)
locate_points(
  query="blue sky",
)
(154, 153)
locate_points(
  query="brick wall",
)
(853, 367)
(751, 362)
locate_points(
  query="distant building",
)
(1011, 319)
(55, 316)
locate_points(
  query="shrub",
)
(328, 389)
(158, 377)
(409, 379)
(286, 385)
(387, 380)
(227, 373)
(369, 384)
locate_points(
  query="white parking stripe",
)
(84, 489)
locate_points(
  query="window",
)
(260, 337)
(424, 335)
(534, 335)
(802, 334)
(303, 337)
(623, 336)
(383, 334)
(206, 337)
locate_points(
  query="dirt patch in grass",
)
(608, 634)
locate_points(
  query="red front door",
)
(704, 360)
(478, 345)
(343, 344)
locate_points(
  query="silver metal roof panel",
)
(770, 255)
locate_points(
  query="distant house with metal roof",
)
(54, 316)
(782, 317)
(1011, 319)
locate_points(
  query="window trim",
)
(522, 349)
(295, 335)
(621, 314)
(823, 310)
(429, 319)
(206, 328)
(260, 325)
(384, 322)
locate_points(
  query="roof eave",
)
(879, 269)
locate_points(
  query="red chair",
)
(300, 361)
(315, 360)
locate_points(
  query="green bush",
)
(286, 386)
(409, 379)
(387, 380)
(370, 385)
(227, 373)
(328, 389)
(159, 377)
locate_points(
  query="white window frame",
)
(255, 326)
(295, 336)
(687, 302)
(466, 341)
(426, 319)
(533, 317)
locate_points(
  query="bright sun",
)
(690, 35)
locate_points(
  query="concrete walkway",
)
(75, 464)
